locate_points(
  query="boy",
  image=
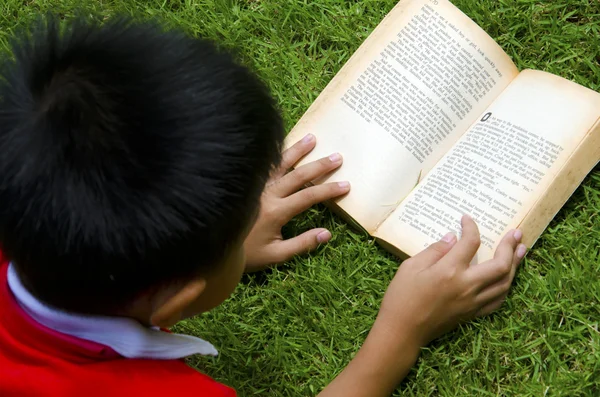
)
(137, 167)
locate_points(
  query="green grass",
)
(289, 331)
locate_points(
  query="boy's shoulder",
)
(116, 378)
(37, 361)
(132, 377)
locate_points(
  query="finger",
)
(306, 242)
(501, 287)
(491, 307)
(500, 266)
(466, 248)
(306, 198)
(298, 178)
(292, 155)
(435, 251)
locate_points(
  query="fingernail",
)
(467, 217)
(335, 158)
(324, 236)
(449, 238)
(521, 251)
(309, 138)
(344, 185)
(518, 235)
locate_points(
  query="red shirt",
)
(37, 361)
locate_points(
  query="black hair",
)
(131, 156)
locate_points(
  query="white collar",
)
(126, 336)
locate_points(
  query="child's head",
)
(132, 160)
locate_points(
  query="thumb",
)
(435, 251)
(301, 244)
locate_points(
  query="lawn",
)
(289, 331)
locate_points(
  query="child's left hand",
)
(282, 200)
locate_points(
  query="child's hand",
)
(431, 294)
(438, 288)
(282, 200)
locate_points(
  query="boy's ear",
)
(171, 311)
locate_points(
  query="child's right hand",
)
(430, 295)
(437, 289)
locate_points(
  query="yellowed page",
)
(580, 163)
(401, 101)
(505, 169)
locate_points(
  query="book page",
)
(401, 101)
(579, 165)
(502, 166)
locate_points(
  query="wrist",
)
(393, 344)
(402, 328)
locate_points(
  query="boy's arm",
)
(430, 295)
(377, 368)
(283, 199)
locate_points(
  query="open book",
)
(434, 121)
